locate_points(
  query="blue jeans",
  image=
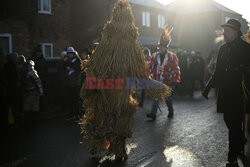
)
(169, 102)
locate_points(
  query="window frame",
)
(161, 21)
(51, 50)
(146, 19)
(41, 11)
(9, 36)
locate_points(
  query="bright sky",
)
(239, 6)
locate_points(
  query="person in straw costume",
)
(247, 36)
(109, 112)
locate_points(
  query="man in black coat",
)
(233, 64)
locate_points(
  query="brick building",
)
(60, 23)
(24, 24)
(150, 18)
(89, 18)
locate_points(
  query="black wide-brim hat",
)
(234, 24)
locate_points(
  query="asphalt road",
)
(195, 137)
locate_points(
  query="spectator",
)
(3, 99)
(42, 70)
(14, 96)
(85, 54)
(31, 87)
(40, 64)
(232, 70)
(73, 70)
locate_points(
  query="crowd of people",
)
(24, 85)
(194, 70)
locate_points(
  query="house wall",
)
(88, 19)
(54, 28)
(79, 22)
(153, 30)
(29, 28)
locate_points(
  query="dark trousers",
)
(169, 102)
(234, 123)
(30, 119)
(73, 97)
(3, 107)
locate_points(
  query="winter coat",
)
(73, 70)
(41, 67)
(11, 81)
(197, 68)
(168, 72)
(30, 80)
(232, 63)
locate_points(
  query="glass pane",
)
(4, 45)
(159, 20)
(163, 21)
(148, 19)
(48, 51)
(46, 5)
(143, 19)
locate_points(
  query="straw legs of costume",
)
(155, 106)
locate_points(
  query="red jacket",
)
(169, 72)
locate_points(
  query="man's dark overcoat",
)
(232, 63)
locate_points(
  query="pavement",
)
(195, 137)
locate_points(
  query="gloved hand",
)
(41, 93)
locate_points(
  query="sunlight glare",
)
(180, 157)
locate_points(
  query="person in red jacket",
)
(164, 67)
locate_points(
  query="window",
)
(6, 43)
(161, 21)
(44, 6)
(47, 49)
(146, 19)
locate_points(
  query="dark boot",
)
(232, 164)
(153, 116)
(120, 159)
(170, 114)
